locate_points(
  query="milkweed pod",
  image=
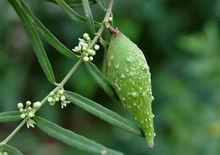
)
(128, 72)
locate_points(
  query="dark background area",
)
(181, 41)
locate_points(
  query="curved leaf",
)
(89, 16)
(48, 36)
(102, 112)
(11, 150)
(100, 79)
(72, 139)
(70, 11)
(10, 116)
(102, 4)
(35, 39)
(72, 3)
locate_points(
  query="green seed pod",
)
(128, 72)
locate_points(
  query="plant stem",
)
(14, 132)
(66, 78)
(102, 27)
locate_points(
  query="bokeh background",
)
(181, 41)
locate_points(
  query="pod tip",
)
(151, 145)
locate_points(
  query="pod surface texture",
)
(128, 72)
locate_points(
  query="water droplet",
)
(104, 152)
(134, 94)
(129, 60)
(116, 66)
(122, 76)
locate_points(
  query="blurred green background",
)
(181, 41)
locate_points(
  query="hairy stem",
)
(66, 78)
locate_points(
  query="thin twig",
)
(102, 27)
(66, 78)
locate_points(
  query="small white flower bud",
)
(62, 98)
(84, 48)
(29, 108)
(20, 105)
(92, 52)
(88, 38)
(110, 19)
(50, 99)
(28, 103)
(85, 58)
(61, 91)
(57, 99)
(81, 43)
(96, 47)
(52, 93)
(37, 104)
(21, 110)
(31, 114)
(85, 35)
(5, 153)
(22, 116)
(90, 58)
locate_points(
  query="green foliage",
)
(72, 138)
(35, 39)
(70, 11)
(49, 37)
(89, 16)
(180, 40)
(11, 150)
(10, 116)
(103, 113)
(100, 79)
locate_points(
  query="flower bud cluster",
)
(107, 21)
(28, 110)
(58, 96)
(84, 48)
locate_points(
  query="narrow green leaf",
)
(70, 138)
(100, 79)
(72, 3)
(102, 4)
(11, 150)
(49, 37)
(89, 16)
(70, 11)
(35, 39)
(10, 116)
(102, 112)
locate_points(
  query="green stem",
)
(14, 132)
(66, 78)
(102, 27)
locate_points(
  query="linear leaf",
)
(102, 4)
(11, 150)
(70, 11)
(89, 16)
(10, 116)
(102, 112)
(48, 36)
(35, 39)
(70, 138)
(72, 3)
(100, 79)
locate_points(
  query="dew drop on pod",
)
(128, 72)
